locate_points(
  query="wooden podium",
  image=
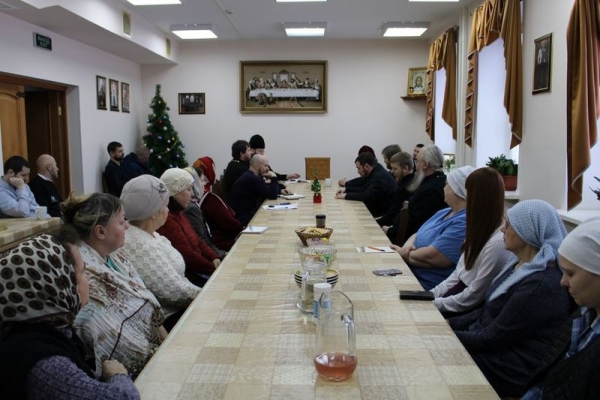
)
(321, 164)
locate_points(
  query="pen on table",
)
(375, 248)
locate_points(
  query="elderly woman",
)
(224, 227)
(432, 252)
(576, 375)
(513, 334)
(483, 253)
(123, 319)
(200, 260)
(158, 263)
(40, 355)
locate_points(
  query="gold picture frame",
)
(542, 64)
(417, 82)
(283, 87)
(192, 103)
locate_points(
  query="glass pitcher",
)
(314, 271)
(335, 355)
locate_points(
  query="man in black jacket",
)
(241, 153)
(42, 187)
(402, 168)
(378, 191)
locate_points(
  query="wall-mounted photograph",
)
(542, 65)
(283, 87)
(125, 97)
(100, 92)
(417, 82)
(114, 95)
(192, 103)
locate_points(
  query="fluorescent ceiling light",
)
(404, 29)
(305, 28)
(153, 2)
(193, 31)
(299, 1)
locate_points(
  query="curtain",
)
(583, 104)
(442, 54)
(491, 20)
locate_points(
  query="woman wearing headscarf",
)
(123, 319)
(576, 374)
(158, 263)
(200, 260)
(224, 227)
(41, 357)
(433, 252)
(513, 334)
(483, 253)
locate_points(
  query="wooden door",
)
(12, 121)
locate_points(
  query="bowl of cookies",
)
(311, 232)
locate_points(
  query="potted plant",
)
(316, 188)
(507, 168)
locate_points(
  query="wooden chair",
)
(401, 236)
(217, 188)
(321, 164)
(104, 184)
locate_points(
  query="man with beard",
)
(428, 197)
(43, 187)
(387, 153)
(241, 153)
(114, 175)
(402, 168)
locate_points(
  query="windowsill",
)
(511, 195)
(578, 216)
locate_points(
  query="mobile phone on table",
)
(387, 272)
(416, 295)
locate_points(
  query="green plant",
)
(316, 185)
(505, 166)
(449, 161)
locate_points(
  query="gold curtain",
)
(491, 20)
(442, 53)
(583, 103)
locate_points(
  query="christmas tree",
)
(166, 149)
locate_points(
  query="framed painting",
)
(100, 92)
(417, 82)
(125, 97)
(283, 87)
(542, 64)
(192, 103)
(114, 95)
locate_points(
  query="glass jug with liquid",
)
(335, 353)
(315, 261)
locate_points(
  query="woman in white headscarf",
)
(576, 375)
(513, 334)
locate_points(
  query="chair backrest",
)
(104, 184)
(321, 164)
(401, 236)
(217, 188)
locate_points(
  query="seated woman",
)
(40, 355)
(158, 263)
(200, 260)
(483, 253)
(432, 252)
(512, 334)
(123, 319)
(576, 374)
(195, 215)
(224, 227)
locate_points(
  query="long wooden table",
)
(243, 338)
(16, 230)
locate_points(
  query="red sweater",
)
(197, 255)
(224, 227)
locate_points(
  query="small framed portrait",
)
(192, 103)
(542, 64)
(417, 82)
(124, 97)
(100, 92)
(114, 94)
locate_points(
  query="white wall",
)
(77, 65)
(365, 82)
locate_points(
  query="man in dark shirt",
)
(378, 190)
(428, 197)
(251, 189)
(43, 187)
(402, 169)
(114, 175)
(241, 153)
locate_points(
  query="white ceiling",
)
(245, 20)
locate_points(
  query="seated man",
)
(241, 153)
(402, 169)
(43, 187)
(115, 176)
(387, 153)
(358, 181)
(251, 189)
(378, 191)
(136, 164)
(16, 199)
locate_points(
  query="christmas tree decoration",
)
(163, 154)
(316, 188)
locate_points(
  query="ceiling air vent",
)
(6, 7)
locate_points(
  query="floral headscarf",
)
(37, 283)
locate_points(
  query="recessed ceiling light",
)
(404, 29)
(305, 28)
(153, 2)
(193, 31)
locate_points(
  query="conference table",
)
(244, 338)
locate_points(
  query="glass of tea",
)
(335, 355)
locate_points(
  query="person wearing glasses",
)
(158, 263)
(41, 357)
(123, 320)
(513, 335)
